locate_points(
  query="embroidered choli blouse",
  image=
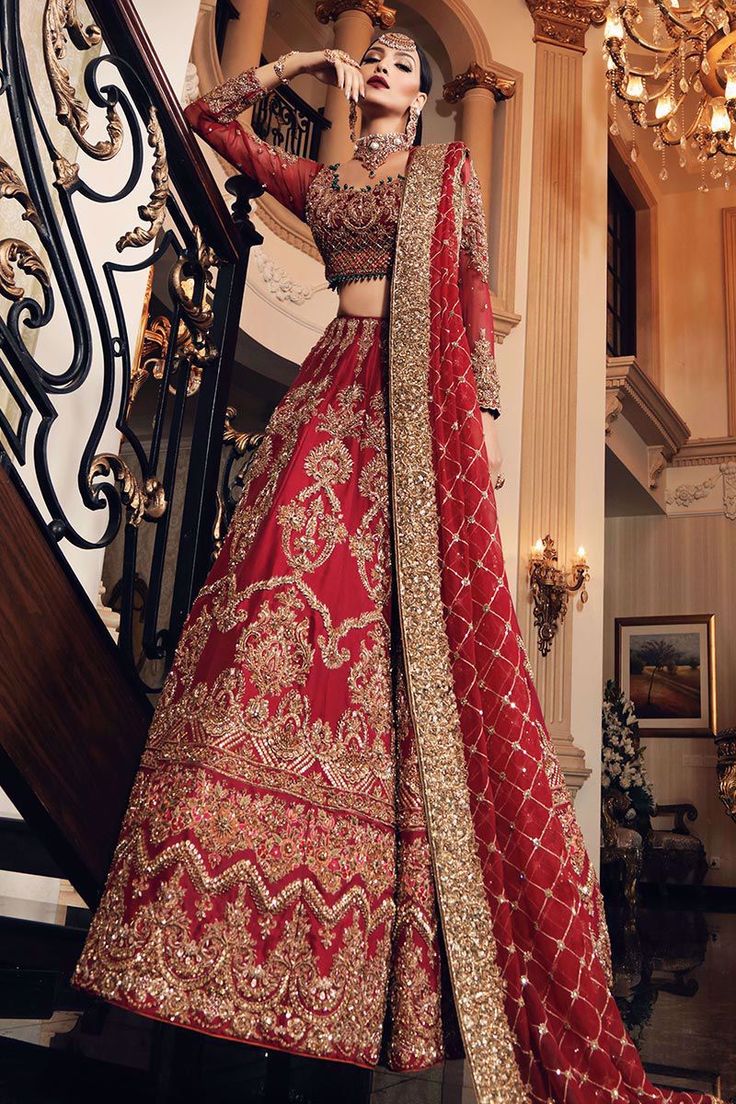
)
(354, 228)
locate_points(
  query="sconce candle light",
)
(551, 587)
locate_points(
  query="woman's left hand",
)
(493, 448)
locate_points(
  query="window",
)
(621, 285)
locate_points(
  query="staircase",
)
(109, 456)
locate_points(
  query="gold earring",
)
(411, 126)
(353, 121)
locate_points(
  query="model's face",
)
(392, 79)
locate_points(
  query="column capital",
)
(475, 76)
(377, 12)
(566, 22)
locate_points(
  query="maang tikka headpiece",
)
(373, 149)
(395, 41)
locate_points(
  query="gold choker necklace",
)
(374, 149)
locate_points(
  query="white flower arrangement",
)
(622, 756)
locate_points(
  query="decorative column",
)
(477, 90)
(729, 284)
(354, 22)
(548, 472)
(243, 45)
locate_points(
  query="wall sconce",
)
(551, 588)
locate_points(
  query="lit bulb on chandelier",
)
(635, 87)
(730, 93)
(614, 27)
(665, 106)
(720, 122)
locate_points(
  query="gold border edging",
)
(477, 983)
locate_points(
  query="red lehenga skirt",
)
(273, 878)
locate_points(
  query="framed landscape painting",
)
(666, 665)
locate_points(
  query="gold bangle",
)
(278, 66)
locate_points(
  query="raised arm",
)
(475, 292)
(214, 117)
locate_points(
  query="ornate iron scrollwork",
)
(238, 446)
(12, 187)
(153, 504)
(60, 17)
(140, 501)
(155, 210)
(13, 251)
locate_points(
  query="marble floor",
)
(676, 988)
(675, 985)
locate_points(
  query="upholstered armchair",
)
(634, 851)
(674, 855)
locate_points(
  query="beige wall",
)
(693, 307)
(657, 566)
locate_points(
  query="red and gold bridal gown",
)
(349, 836)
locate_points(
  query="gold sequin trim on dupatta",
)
(467, 925)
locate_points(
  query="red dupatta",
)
(520, 905)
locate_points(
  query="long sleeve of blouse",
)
(475, 292)
(213, 116)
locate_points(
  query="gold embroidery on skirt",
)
(272, 827)
(416, 1013)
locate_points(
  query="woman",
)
(349, 835)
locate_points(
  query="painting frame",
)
(696, 692)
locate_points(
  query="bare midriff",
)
(366, 297)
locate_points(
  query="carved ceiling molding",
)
(280, 285)
(631, 394)
(377, 12)
(657, 464)
(477, 76)
(702, 451)
(614, 407)
(687, 495)
(566, 22)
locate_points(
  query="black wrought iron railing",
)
(288, 122)
(118, 438)
(282, 118)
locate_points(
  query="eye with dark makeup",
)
(399, 65)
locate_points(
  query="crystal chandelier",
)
(672, 64)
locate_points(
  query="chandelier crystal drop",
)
(672, 64)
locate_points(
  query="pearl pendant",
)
(373, 149)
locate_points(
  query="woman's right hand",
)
(333, 67)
